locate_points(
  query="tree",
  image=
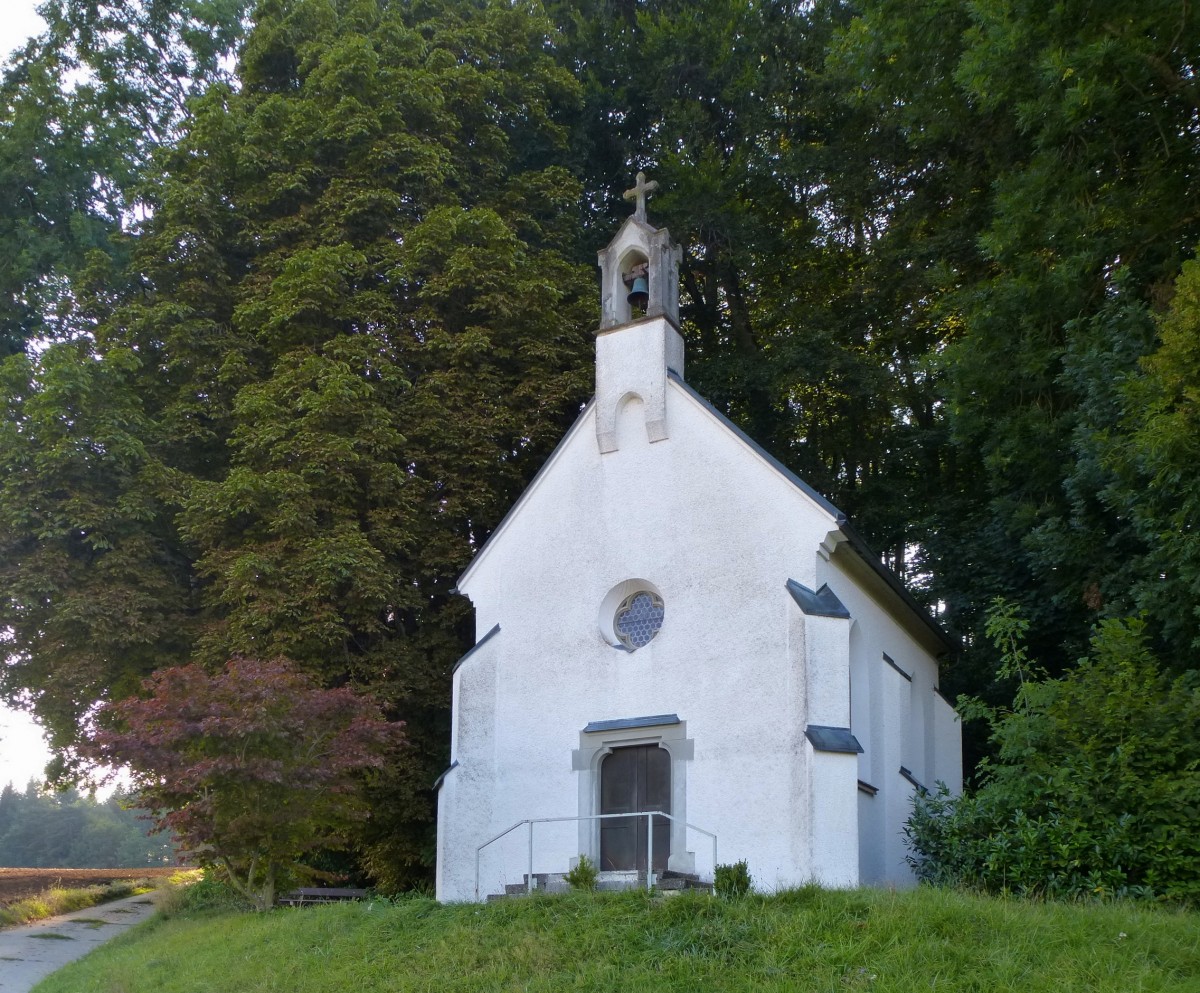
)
(348, 335)
(83, 108)
(1151, 452)
(1085, 211)
(250, 768)
(74, 830)
(94, 585)
(789, 192)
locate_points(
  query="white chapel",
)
(670, 622)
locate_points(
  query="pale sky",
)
(17, 22)
(23, 752)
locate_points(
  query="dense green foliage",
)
(83, 108)
(311, 295)
(294, 419)
(1080, 207)
(802, 940)
(1153, 452)
(73, 831)
(1095, 787)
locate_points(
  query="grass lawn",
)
(804, 940)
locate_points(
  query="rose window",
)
(639, 617)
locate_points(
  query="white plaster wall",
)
(833, 793)
(465, 802)
(897, 724)
(866, 714)
(947, 746)
(718, 532)
(632, 362)
(894, 800)
(827, 670)
(834, 802)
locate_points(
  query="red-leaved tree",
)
(251, 768)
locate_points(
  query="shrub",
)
(583, 874)
(732, 880)
(1095, 790)
(210, 893)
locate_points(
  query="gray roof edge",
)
(938, 693)
(896, 665)
(907, 774)
(843, 522)
(894, 582)
(825, 738)
(822, 603)
(437, 783)
(475, 647)
(625, 723)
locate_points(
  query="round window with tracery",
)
(638, 619)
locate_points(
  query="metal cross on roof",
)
(639, 192)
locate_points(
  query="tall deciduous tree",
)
(83, 107)
(785, 187)
(1068, 209)
(95, 587)
(1152, 452)
(1090, 221)
(354, 334)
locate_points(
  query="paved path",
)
(28, 954)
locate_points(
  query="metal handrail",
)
(648, 814)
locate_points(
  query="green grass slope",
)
(805, 940)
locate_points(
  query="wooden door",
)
(632, 779)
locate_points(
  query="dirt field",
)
(18, 883)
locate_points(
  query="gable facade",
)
(786, 685)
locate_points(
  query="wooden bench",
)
(320, 894)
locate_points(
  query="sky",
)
(18, 22)
(23, 752)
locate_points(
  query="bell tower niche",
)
(638, 340)
(639, 268)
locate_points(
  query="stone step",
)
(543, 882)
(668, 881)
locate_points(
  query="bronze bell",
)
(639, 295)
